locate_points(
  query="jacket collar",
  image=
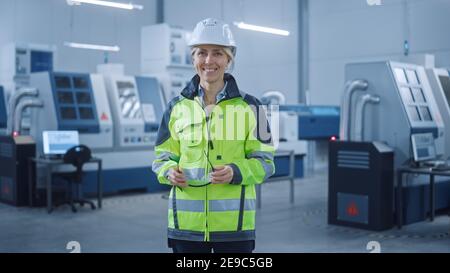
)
(231, 91)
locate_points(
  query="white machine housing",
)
(130, 114)
(48, 118)
(407, 106)
(166, 55)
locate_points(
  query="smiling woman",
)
(212, 201)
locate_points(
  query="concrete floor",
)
(137, 223)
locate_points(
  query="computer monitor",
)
(58, 142)
(423, 147)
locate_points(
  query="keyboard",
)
(441, 168)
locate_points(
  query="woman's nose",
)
(208, 58)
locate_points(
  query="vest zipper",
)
(209, 146)
(206, 173)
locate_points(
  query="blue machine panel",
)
(3, 116)
(41, 61)
(75, 102)
(149, 93)
(315, 122)
(282, 166)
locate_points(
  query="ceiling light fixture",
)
(270, 30)
(128, 6)
(92, 46)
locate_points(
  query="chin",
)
(212, 79)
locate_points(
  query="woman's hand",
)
(177, 177)
(222, 175)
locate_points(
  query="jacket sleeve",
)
(167, 149)
(259, 150)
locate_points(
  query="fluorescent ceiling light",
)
(91, 46)
(276, 31)
(128, 6)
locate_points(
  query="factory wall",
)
(347, 31)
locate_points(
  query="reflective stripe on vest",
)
(231, 205)
(262, 157)
(214, 205)
(187, 205)
(217, 236)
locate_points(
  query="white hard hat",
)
(213, 32)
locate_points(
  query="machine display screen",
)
(423, 152)
(423, 146)
(445, 82)
(83, 98)
(68, 113)
(41, 61)
(62, 82)
(413, 113)
(86, 113)
(400, 75)
(406, 94)
(418, 95)
(425, 112)
(80, 83)
(75, 102)
(412, 77)
(129, 103)
(65, 97)
(58, 142)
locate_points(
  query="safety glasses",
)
(209, 175)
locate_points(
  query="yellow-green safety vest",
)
(235, 133)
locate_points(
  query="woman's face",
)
(210, 62)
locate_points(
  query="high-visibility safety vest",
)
(235, 133)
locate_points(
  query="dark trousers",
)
(180, 246)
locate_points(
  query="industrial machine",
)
(137, 107)
(360, 190)
(383, 102)
(75, 101)
(406, 106)
(17, 62)
(315, 122)
(440, 85)
(166, 55)
(14, 154)
(15, 150)
(116, 116)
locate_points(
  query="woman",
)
(213, 146)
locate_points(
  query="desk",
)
(49, 164)
(425, 171)
(289, 177)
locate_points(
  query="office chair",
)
(76, 156)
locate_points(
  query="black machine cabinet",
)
(14, 154)
(361, 185)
